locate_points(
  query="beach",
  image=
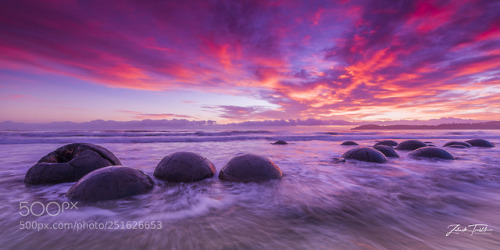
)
(319, 203)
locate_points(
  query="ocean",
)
(319, 203)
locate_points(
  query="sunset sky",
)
(233, 61)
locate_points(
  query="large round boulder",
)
(250, 167)
(365, 154)
(431, 152)
(110, 183)
(70, 163)
(480, 143)
(349, 143)
(459, 144)
(388, 151)
(410, 145)
(387, 143)
(184, 167)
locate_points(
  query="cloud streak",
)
(355, 60)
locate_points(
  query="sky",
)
(234, 61)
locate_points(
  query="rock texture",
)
(480, 143)
(388, 151)
(250, 167)
(184, 167)
(457, 143)
(387, 143)
(410, 145)
(70, 163)
(365, 154)
(349, 143)
(431, 152)
(110, 183)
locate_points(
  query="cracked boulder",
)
(184, 167)
(110, 183)
(365, 154)
(70, 163)
(250, 167)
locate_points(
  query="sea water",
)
(319, 203)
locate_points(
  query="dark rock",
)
(365, 154)
(410, 145)
(431, 152)
(388, 151)
(349, 143)
(457, 146)
(480, 143)
(70, 163)
(280, 142)
(457, 143)
(250, 167)
(387, 143)
(110, 183)
(184, 167)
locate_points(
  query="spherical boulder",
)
(110, 183)
(280, 142)
(410, 145)
(387, 143)
(365, 154)
(70, 163)
(184, 167)
(431, 152)
(480, 143)
(250, 167)
(388, 151)
(454, 144)
(349, 143)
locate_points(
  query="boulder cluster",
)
(99, 175)
(419, 150)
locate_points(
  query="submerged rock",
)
(184, 167)
(110, 183)
(365, 154)
(431, 152)
(454, 144)
(70, 163)
(280, 142)
(410, 145)
(480, 143)
(349, 143)
(388, 151)
(387, 143)
(250, 167)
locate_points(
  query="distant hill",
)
(480, 125)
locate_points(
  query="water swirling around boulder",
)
(431, 152)
(349, 143)
(480, 143)
(110, 183)
(250, 168)
(184, 167)
(457, 144)
(410, 145)
(365, 154)
(70, 163)
(387, 143)
(388, 151)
